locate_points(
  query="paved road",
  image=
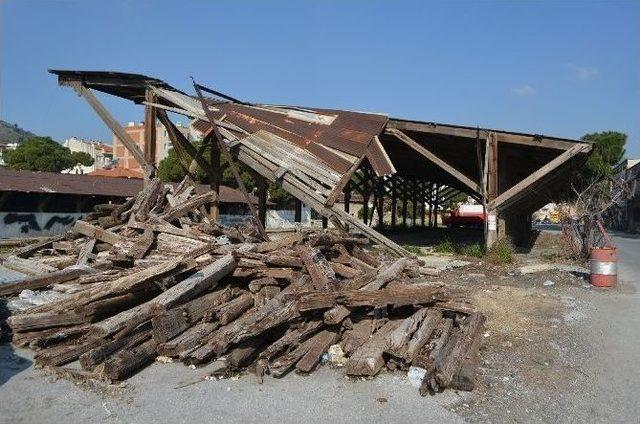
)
(613, 329)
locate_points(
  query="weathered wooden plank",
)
(39, 321)
(28, 250)
(169, 324)
(60, 355)
(423, 333)
(368, 359)
(127, 361)
(397, 296)
(357, 335)
(89, 230)
(26, 266)
(113, 125)
(318, 346)
(317, 266)
(90, 359)
(387, 274)
(205, 279)
(451, 365)
(397, 344)
(42, 281)
(336, 314)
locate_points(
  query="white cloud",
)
(525, 90)
(583, 73)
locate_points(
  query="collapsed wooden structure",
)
(314, 153)
(156, 277)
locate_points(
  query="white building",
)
(6, 146)
(101, 153)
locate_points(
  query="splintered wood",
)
(154, 277)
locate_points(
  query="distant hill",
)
(12, 133)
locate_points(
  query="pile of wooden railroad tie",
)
(153, 277)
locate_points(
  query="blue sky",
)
(561, 68)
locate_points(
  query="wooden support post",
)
(347, 197)
(214, 179)
(380, 206)
(298, 210)
(422, 203)
(150, 128)
(114, 126)
(491, 173)
(347, 201)
(394, 200)
(436, 203)
(414, 201)
(365, 196)
(430, 201)
(262, 198)
(404, 202)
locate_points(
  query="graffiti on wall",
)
(35, 224)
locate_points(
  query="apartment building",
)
(101, 153)
(136, 132)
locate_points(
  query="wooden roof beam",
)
(434, 159)
(114, 126)
(508, 197)
(472, 134)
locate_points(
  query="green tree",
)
(44, 154)
(608, 151)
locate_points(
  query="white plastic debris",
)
(335, 355)
(28, 298)
(222, 240)
(164, 359)
(416, 375)
(549, 283)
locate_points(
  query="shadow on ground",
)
(432, 236)
(10, 363)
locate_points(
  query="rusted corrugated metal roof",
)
(339, 143)
(87, 185)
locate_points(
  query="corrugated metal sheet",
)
(350, 132)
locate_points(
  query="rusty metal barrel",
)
(604, 266)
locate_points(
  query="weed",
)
(476, 250)
(501, 252)
(445, 246)
(416, 250)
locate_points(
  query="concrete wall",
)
(36, 224)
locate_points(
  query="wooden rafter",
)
(433, 158)
(473, 133)
(509, 196)
(114, 126)
(179, 140)
(224, 149)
